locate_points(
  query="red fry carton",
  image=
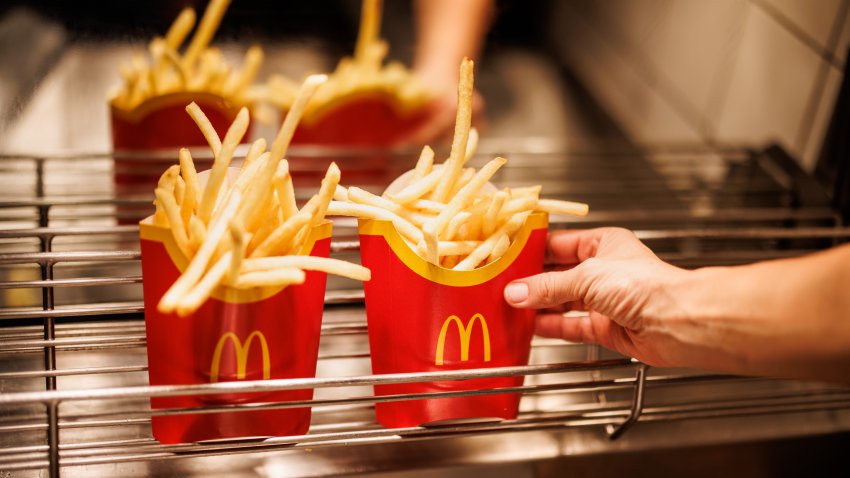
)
(162, 122)
(425, 318)
(250, 334)
(366, 118)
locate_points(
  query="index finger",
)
(570, 247)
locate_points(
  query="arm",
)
(786, 318)
(447, 31)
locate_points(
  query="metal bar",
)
(81, 282)
(71, 371)
(75, 311)
(302, 383)
(54, 257)
(637, 404)
(67, 231)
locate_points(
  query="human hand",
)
(624, 287)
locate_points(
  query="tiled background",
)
(718, 71)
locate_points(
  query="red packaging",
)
(425, 318)
(367, 118)
(251, 334)
(161, 122)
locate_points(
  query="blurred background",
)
(663, 71)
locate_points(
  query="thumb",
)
(544, 290)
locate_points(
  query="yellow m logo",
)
(465, 333)
(241, 355)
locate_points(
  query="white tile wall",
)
(629, 95)
(734, 71)
(772, 81)
(814, 17)
(694, 48)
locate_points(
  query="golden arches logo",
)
(465, 333)
(241, 351)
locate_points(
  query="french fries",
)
(450, 215)
(243, 231)
(200, 68)
(363, 72)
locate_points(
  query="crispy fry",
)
(285, 192)
(222, 160)
(463, 122)
(206, 29)
(190, 176)
(172, 211)
(341, 193)
(408, 230)
(310, 263)
(361, 196)
(370, 25)
(266, 278)
(484, 250)
(180, 29)
(205, 126)
(432, 253)
(465, 195)
(424, 164)
(197, 233)
(199, 262)
(416, 190)
(499, 248)
(492, 216)
(281, 235)
(202, 291)
(553, 206)
(257, 148)
(237, 238)
(455, 223)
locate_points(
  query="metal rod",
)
(302, 383)
(637, 404)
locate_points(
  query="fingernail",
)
(516, 292)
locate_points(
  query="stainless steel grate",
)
(73, 368)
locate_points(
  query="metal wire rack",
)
(73, 369)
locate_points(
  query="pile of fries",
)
(243, 229)
(199, 69)
(364, 72)
(446, 213)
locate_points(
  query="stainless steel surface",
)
(72, 316)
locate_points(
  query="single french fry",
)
(285, 191)
(222, 160)
(172, 211)
(326, 193)
(341, 193)
(416, 218)
(491, 217)
(427, 205)
(199, 262)
(205, 126)
(245, 181)
(310, 263)
(457, 248)
(553, 206)
(520, 204)
(180, 29)
(408, 230)
(190, 176)
(464, 178)
(424, 164)
(432, 253)
(370, 26)
(465, 195)
(293, 117)
(179, 191)
(237, 238)
(484, 250)
(362, 196)
(525, 191)
(196, 297)
(273, 278)
(499, 248)
(206, 29)
(159, 217)
(416, 190)
(281, 235)
(463, 122)
(471, 145)
(197, 233)
(455, 223)
(257, 148)
(238, 83)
